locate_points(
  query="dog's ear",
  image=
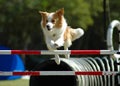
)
(43, 13)
(60, 11)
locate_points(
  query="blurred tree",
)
(19, 20)
(113, 9)
(17, 23)
(79, 11)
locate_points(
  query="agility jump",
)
(57, 73)
(47, 52)
(111, 51)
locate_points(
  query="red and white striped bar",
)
(57, 73)
(72, 52)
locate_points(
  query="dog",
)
(57, 33)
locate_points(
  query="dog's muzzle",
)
(48, 27)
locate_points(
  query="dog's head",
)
(52, 20)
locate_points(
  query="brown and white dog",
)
(57, 33)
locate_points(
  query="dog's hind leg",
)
(66, 55)
(67, 44)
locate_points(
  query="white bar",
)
(66, 73)
(109, 72)
(6, 73)
(107, 52)
(5, 52)
(44, 52)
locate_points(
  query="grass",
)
(17, 82)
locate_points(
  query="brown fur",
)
(69, 34)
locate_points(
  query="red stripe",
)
(27, 52)
(89, 73)
(33, 73)
(85, 52)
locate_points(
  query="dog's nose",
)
(48, 27)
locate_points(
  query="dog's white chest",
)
(53, 35)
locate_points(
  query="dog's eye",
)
(53, 21)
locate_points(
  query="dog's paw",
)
(53, 45)
(56, 45)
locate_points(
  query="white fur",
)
(54, 37)
(54, 42)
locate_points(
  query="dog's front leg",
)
(59, 42)
(51, 47)
(50, 44)
(57, 59)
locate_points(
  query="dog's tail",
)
(78, 33)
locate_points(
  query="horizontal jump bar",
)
(47, 52)
(56, 73)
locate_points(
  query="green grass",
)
(17, 82)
